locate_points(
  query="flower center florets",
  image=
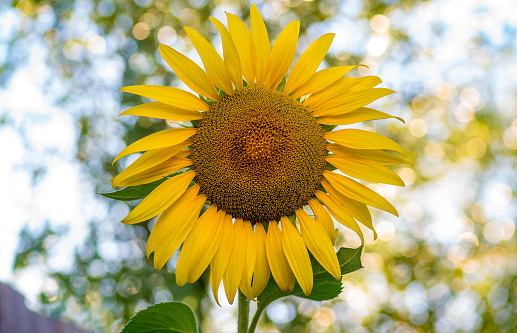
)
(258, 154)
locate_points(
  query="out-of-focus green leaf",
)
(163, 317)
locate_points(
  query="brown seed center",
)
(258, 154)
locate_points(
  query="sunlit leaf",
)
(164, 317)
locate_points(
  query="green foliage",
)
(282, 83)
(327, 128)
(163, 317)
(134, 192)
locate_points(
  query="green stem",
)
(260, 307)
(243, 313)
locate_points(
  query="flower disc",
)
(258, 154)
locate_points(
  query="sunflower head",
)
(258, 155)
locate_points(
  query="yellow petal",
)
(363, 169)
(336, 89)
(359, 139)
(282, 55)
(162, 111)
(260, 45)
(160, 198)
(169, 95)
(166, 138)
(356, 209)
(161, 228)
(189, 72)
(181, 271)
(323, 217)
(321, 80)
(297, 255)
(205, 246)
(359, 192)
(339, 214)
(179, 224)
(157, 172)
(222, 256)
(233, 274)
(231, 57)
(308, 63)
(356, 116)
(214, 65)
(262, 272)
(319, 243)
(278, 263)
(376, 155)
(148, 160)
(333, 94)
(242, 39)
(351, 101)
(199, 247)
(251, 258)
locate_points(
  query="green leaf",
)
(206, 100)
(282, 83)
(163, 317)
(330, 167)
(327, 128)
(134, 192)
(325, 286)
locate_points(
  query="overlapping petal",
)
(163, 111)
(364, 169)
(355, 116)
(282, 54)
(162, 228)
(282, 272)
(166, 138)
(233, 274)
(179, 223)
(261, 49)
(318, 242)
(161, 198)
(297, 255)
(375, 155)
(262, 271)
(222, 256)
(359, 192)
(323, 217)
(308, 63)
(189, 72)
(359, 139)
(232, 61)
(214, 65)
(351, 101)
(169, 95)
(148, 160)
(242, 39)
(321, 80)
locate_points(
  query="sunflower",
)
(260, 155)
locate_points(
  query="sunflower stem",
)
(260, 307)
(243, 313)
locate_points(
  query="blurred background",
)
(448, 264)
